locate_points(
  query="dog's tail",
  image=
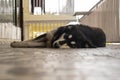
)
(38, 42)
(28, 44)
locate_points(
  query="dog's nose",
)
(56, 45)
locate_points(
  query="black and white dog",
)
(72, 36)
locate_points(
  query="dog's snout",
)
(56, 45)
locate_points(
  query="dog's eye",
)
(62, 42)
(73, 42)
(68, 36)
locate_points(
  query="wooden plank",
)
(81, 13)
(106, 17)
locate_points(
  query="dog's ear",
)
(57, 34)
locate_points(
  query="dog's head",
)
(64, 37)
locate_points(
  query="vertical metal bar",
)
(35, 3)
(43, 5)
(0, 6)
(15, 13)
(32, 6)
(38, 3)
(21, 20)
(13, 10)
(11, 7)
(5, 7)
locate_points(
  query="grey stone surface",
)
(59, 64)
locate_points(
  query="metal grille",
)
(6, 10)
(38, 3)
(8, 31)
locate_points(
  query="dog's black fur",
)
(74, 36)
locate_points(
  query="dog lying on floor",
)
(69, 36)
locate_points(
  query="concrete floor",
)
(59, 64)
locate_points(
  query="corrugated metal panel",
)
(35, 28)
(105, 16)
(9, 31)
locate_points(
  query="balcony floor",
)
(59, 64)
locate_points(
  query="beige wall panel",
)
(105, 16)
